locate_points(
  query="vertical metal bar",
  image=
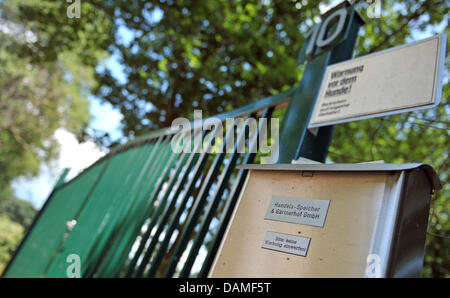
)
(167, 212)
(104, 240)
(129, 233)
(157, 159)
(315, 147)
(156, 216)
(63, 176)
(158, 162)
(295, 141)
(198, 206)
(161, 251)
(118, 212)
(98, 255)
(214, 203)
(78, 241)
(229, 205)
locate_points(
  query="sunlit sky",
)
(78, 156)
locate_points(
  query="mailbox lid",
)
(348, 167)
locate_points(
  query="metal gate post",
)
(295, 141)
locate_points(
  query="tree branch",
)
(412, 17)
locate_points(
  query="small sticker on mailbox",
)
(300, 211)
(291, 244)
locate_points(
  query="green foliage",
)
(55, 33)
(10, 235)
(47, 72)
(213, 55)
(16, 217)
(34, 102)
(19, 211)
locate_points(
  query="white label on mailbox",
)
(300, 211)
(291, 244)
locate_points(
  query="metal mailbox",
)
(329, 220)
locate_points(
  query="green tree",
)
(213, 55)
(19, 211)
(47, 71)
(219, 55)
(10, 236)
(34, 102)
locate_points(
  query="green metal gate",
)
(144, 210)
